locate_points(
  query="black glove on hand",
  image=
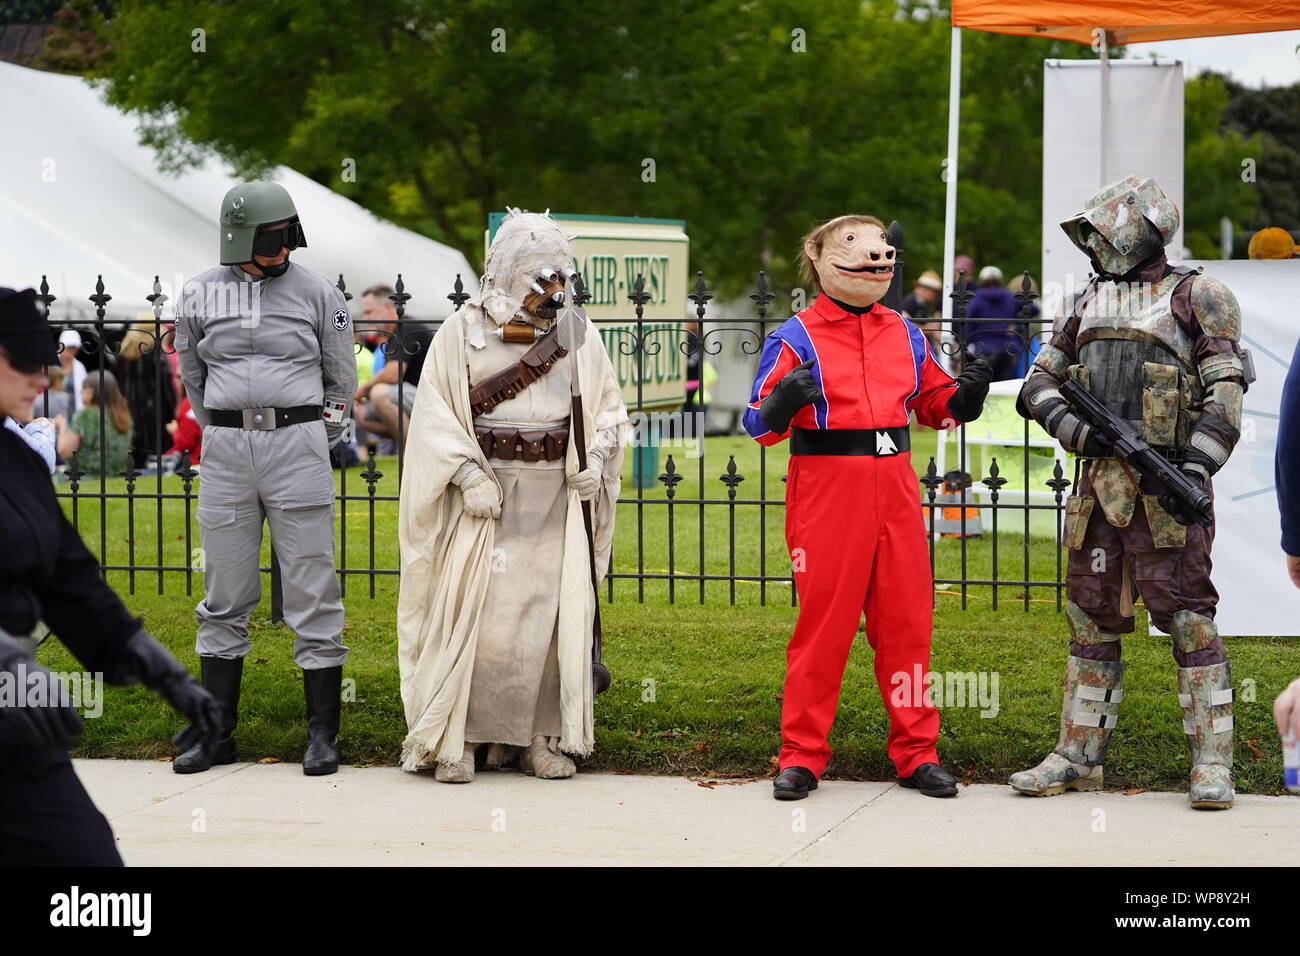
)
(43, 717)
(143, 659)
(967, 400)
(1096, 445)
(792, 393)
(1171, 504)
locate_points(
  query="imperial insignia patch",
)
(341, 319)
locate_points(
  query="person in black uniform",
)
(46, 573)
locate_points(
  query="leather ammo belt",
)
(508, 444)
(878, 442)
(265, 418)
(509, 382)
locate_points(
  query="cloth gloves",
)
(482, 496)
(588, 481)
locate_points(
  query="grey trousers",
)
(281, 477)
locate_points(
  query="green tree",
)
(759, 118)
(1213, 174)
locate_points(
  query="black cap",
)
(24, 332)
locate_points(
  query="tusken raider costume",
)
(497, 611)
(1157, 345)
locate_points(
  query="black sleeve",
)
(85, 613)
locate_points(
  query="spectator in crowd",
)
(1287, 467)
(101, 432)
(1272, 243)
(921, 305)
(74, 372)
(1000, 342)
(960, 265)
(380, 397)
(54, 400)
(146, 382)
(187, 434)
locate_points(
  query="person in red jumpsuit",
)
(841, 380)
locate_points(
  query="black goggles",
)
(269, 242)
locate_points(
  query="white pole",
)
(950, 174)
(1103, 139)
(950, 213)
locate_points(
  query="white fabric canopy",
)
(80, 197)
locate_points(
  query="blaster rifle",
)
(1130, 447)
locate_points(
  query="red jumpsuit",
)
(854, 526)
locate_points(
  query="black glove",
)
(792, 393)
(143, 659)
(44, 717)
(1097, 445)
(967, 400)
(1172, 505)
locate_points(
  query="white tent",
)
(80, 197)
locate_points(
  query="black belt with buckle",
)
(265, 418)
(879, 442)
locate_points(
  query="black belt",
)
(265, 418)
(880, 442)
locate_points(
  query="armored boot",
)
(1092, 692)
(1205, 694)
(323, 688)
(221, 677)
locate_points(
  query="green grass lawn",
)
(696, 686)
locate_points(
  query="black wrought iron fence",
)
(689, 528)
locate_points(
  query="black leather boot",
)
(323, 688)
(221, 677)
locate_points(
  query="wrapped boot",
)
(1205, 694)
(1092, 692)
(542, 759)
(462, 771)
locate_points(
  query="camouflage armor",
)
(1158, 346)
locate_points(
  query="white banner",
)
(1256, 596)
(1145, 134)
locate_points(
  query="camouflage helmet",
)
(247, 207)
(1123, 225)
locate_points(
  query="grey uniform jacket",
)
(276, 342)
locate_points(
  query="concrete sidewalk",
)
(272, 815)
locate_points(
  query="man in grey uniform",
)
(267, 357)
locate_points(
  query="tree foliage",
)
(751, 120)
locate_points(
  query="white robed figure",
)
(496, 607)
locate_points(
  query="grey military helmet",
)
(1123, 225)
(247, 207)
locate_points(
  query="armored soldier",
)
(1156, 344)
(267, 358)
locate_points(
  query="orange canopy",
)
(1126, 21)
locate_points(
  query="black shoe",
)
(221, 677)
(793, 783)
(323, 688)
(932, 780)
